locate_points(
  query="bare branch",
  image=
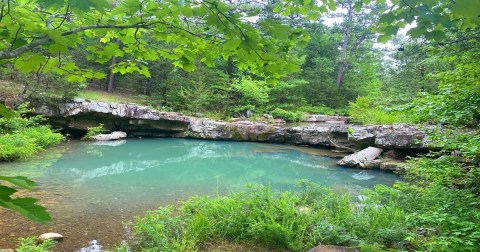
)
(16, 36)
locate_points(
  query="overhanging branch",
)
(10, 54)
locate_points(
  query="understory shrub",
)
(405, 217)
(288, 116)
(29, 244)
(364, 111)
(16, 146)
(323, 110)
(295, 221)
(23, 136)
(93, 131)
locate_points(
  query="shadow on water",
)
(92, 190)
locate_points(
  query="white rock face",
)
(49, 236)
(116, 135)
(319, 130)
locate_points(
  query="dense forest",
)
(378, 62)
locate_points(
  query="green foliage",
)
(21, 137)
(467, 141)
(445, 171)
(457, 101)
(288, 116)
(93, 131)
(6, 112)
(15, 146)
(322, 110)
(430, 19)
(440, 219)
(24, 206)
(254, 94)
(36, 36)
(363, 110)
(288, 94)
(29, 244)
(407, 217)
(294, 221)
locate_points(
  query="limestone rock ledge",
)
(319, 130)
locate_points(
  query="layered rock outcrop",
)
(318, 130)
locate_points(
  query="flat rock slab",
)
(361, 158)
(116, 135)
(316, 130)
(331, 248)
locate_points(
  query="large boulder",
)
(401, 136)
(361, 158)
(321, 134)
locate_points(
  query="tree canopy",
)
(36, 35)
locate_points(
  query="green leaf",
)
(6, 112)
(435, 35)
(19, 42)
(232, 44)
(417, 31)
(21, 181)
(387, 18)
(50, 3)
(358, 6)
(384, 38)
(55, 48)
(25, 207)
(391, 30)
(292, 67)
(85, 5)
(469, 9)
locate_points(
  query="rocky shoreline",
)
(317, 130)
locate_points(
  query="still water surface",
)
(93, 190)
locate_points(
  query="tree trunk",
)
(342, 65)
(111, 77)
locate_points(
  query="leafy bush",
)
(20, 137)
(93, 131)
(323, 110)
(42, 136)
(457, 101)
(364, 111)
(288, 116)
(253, 94)
(439, 218)
(16, 146)
(29, 244)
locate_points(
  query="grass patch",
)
(103, 96)
(364, 111)
(10, 88)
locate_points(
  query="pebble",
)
(50, 236)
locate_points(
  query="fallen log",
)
(361, 158)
